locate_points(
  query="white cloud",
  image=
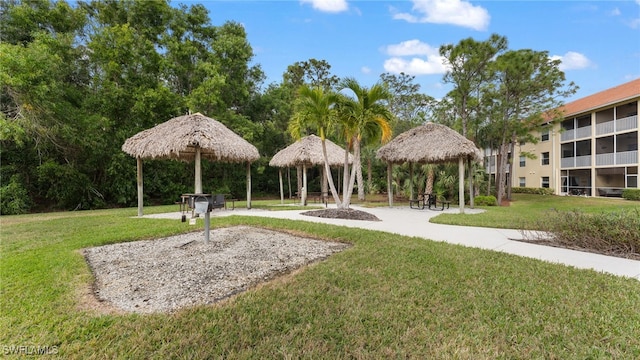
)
(332, 6)
(615, 12)
(415, 66)
(365, 70)
(411, 47)
(425, 59)
(573, 61)
(455, 12)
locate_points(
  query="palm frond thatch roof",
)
(429, 143)
(308, 151)
(178, 138)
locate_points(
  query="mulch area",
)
(347, 214)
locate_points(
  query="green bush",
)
(611, 232)
(631, 194)
(489, 200)
(14, 198)
(528, 190)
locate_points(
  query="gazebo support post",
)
(281, 187)
(139, 183)
(389, 188)
(411, 181)
(471, 194)
(249, 186)
(303, 196)
(198, 174)
(461, 184)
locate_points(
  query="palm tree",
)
(316, 108)
(364, 119)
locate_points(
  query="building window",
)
(545, 158)
(544, 135)
(523, 182)
(523, 161)
(545, 182)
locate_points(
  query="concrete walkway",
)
(412, 222)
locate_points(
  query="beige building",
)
(593, 151)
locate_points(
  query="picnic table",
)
(428, 200)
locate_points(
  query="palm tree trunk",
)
(369, 175)
(327, 169)
(359, 176)
(345, 178)
(356, 165)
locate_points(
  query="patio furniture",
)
(423, 200)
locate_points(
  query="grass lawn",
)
(387, 296)
(526, 209)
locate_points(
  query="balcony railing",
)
(619, 158)
(605, 159)
(568, 135)
(578, 161)
(624, 124)
(628, 123)
(627, 157)
(605, 128)
(582, 161)
(583, 132)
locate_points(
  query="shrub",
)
(14, 198)
(489, 200)
(631, 194)
(612, 232)
(528, 190)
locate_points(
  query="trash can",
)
(202, 205)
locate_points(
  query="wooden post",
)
(140, 186)
(303, 197)
(461, 184)
(198, 173)
(389, 187)
(248, 185)
(281, 187)
(411, 181)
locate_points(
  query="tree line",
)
(76, 81)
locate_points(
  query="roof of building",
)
(603, 98)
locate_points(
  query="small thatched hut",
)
(429, 144)
(308, 152)
(190, 138)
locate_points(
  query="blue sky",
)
(597, 41)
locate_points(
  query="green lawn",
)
(387, 296)
(527, 209)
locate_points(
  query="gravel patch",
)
(168, 274)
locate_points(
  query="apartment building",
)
(592, 152)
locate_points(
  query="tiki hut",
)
(429, 144)
(308, 152)
(191, 138)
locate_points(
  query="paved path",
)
(411, 222)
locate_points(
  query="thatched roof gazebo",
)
(429, 144)
(308, 152)
(191, 138)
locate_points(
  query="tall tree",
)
(365, 119)
(468, 63)
(316, 108)
(312, 72)
(527, 91)
(408, 105)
